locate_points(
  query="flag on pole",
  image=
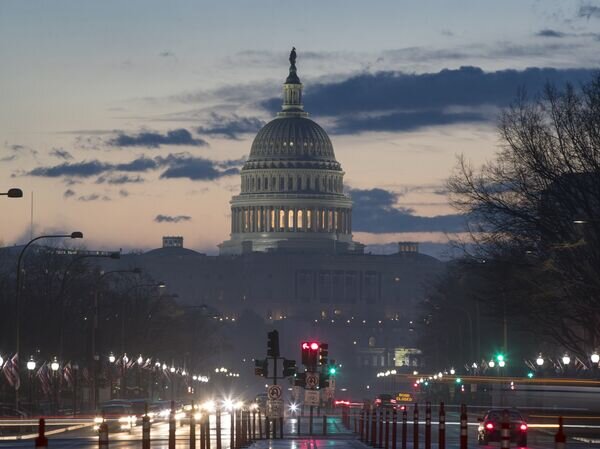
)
(43, 375)
(11, 372)
(68, 374)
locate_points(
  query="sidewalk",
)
(308, 443)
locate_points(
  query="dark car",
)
(385, 401)
(490, 426)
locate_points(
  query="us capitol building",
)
(291, 259)
(292, 187)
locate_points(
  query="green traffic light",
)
(458, 380)
(530, 375)
(500, 357)
(332, 370)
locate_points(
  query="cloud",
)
(550, 33)
(166, 54)
(119, 179)
(397, 101)
(179, 165)
(589, 11)
(154, 140)
(171, 219)
(375, 211)
(9, 158)
(78, 169)
(69, 193)
(61, 154)
(93, 197)
(231, 127)
(195, 168)
(123, 193)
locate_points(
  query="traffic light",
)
(332, 370)
(500, 357)
(530, 375)
(310, 351)
(261, 367)
(323, 380)
(289, 368)
(458, 380)
(273, 344)
(300, 380)
(323, 353)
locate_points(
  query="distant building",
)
(172, 242)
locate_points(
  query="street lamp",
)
(501, 363)
(595, 358)
(72, 235)
(13, 193)
(95, 328)
(140, 360)
(566, 359)
(112, 358)
(540, 360)
(492, 364)
(30, 368)
(54, 366)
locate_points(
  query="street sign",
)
(312, 380)
(274, 392)
(311, 397)
(275, 408)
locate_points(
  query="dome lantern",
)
(292, 91)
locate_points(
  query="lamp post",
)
(75, 374)
(54, 366)
(72, 235)
(111, 360)
(95, 357)
(30, 367)
(13, 193)
(63, 283)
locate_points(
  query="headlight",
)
(164, 413)
(180, 415)
(96, 428)
(98, 420)
(125, 419)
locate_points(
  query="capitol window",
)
(291, 219)
(281, 217)
(308, 219)
(300, 220)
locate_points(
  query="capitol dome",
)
(294, 140)
(292, 194)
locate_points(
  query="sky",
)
(130, 120)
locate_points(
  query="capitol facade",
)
(292, 191)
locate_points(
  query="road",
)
(338, 437)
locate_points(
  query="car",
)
(490, 426)
(118, 415)
(385, 401)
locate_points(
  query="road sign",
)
(275, 408)
(312, 380)
(311, 397)
(274, 392)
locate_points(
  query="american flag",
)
(68, 374)
(11, 372)
(43, 375)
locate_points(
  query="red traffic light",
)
(314, 346)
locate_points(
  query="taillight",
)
(523, 427)
(489, 426)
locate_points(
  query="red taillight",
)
(403, 407)
(377, 401)
(523, 427)
(489, 426)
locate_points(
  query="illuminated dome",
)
(295, 139)
(292, 193)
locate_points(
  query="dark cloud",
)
(194, 168)
(69, 193)
(79, 169)
(9, 158)
(123, 193)
(166, 54)
(550, 33)
(93, 197)
(589, 11)
(179, 165)
(401, 101)
(375, 211)
(61, 154)
(231, 127)
(154, 140)
(171, 219)
(119, 179)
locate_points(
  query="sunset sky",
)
(129, 120)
